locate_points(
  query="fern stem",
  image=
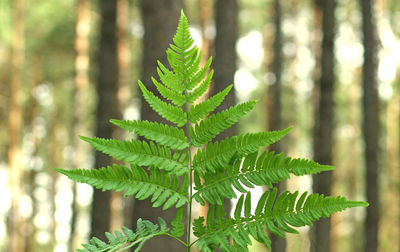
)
(191, 244)
(179, 240)
(190, 179)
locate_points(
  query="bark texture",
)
(371, 125)
(274, 104)
(324, 121)
(226, 21)
(80, 93)
(106, 108)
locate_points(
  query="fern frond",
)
(178, 227)
(195, 78)
(168, 111)
(141, 153)
(177, 98)
(169, 79)
(210, 127)
(178, 53)
(162, 169)
(251, 171)
(217, 155)
(192, 64)
(277, 214)
(201, 110)
(163, 187)
(127, 239)
(195, 94)
(166, 135)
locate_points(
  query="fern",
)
(123, 241)
(162, 166)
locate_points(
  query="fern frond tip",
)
(85, 138)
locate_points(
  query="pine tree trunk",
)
(274, 105)
(106, 108)
(226, 21)
(371, 125)
(16, 232)
(324, 122)
(80, 92)
(160, 19)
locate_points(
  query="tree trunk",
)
(160, 19)
(124, 54)
(226, 21)
(16, 237)
(274, 104)
(371, 125)
(80, 94)
(106, 108)
(324, 122)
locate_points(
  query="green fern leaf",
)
(195, 94)
(178, 228)
(163, 169)
(219, 154)
(249, 171)
(278, 217)
(161, 133)
(176, 98)
(178, 53)
(210, 127)
(141, 153)
(197, 76)
(134, 181)
(121, 241)
(170, 112)
(201, 110)
(169, 79)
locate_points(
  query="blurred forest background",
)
(330, 68)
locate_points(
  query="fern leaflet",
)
(251, 171)
(219, 154)
(135, 181)
(145, 231)
(277, 214)
(166, 135)
(142, 154)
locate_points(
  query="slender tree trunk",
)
(160, 19)
(274, 104)
(226, 21)
(124, 54)
(16, 232)
(371, 125)
(324, 122)
(206, 22)
(121, 213)
(78, 125)
(106, 108)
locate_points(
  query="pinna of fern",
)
(162, 166)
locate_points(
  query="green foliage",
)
(162, 167)
(145, 231)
